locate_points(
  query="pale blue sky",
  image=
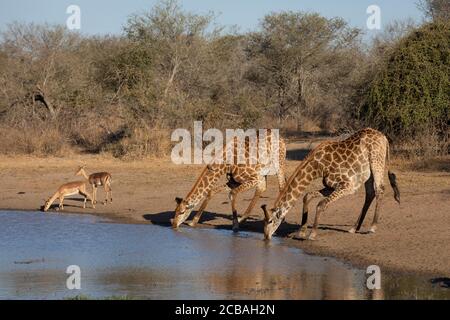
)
(108, 16)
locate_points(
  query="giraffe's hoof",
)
(373, 229)
(312, 237)
(300, 237)
(191, 224)
(240, 220)
(352, 231)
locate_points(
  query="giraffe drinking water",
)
(344, 167)
(242, 177)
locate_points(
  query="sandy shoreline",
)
(413, 237)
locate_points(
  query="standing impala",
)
(96, 180)
(69, 189)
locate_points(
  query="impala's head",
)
(47, 205)
(182, 212)
(80, 171)
(269, 221)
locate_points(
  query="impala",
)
(69, 189)
(97, 180)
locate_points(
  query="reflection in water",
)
(151, 262)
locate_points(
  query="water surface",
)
(154, 262)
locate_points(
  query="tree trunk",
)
(40, 96)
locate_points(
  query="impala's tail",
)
(392, 177)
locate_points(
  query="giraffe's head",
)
(269, 221)
(182, 212)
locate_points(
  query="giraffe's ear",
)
(209, 167)
(178, 200)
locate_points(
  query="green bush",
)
(410, 95)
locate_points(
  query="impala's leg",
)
(61, 203)
(306, 201)
(110, 193)
(86, 196)
(106, 189)
(370, 195)
(233, 195)
(202, 208)
(94, 194)
(344, 190)
(92, 200)
(260, 188)
(379, 192)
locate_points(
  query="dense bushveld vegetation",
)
(63, 92)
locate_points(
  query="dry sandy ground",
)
(412, 237)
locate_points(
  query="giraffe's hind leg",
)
(233, 195)
(377, 166)
(370, 196)
(379, 193)
(260, 188)
(343, 190)
(281, 177)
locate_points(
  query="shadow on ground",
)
(224, 221)
(55, 205)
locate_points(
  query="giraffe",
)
(241, 177)
(344, 167)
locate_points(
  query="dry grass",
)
(43, 141)
(46, 141)
(141, 142)
(435, 164)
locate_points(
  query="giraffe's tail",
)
(392, 177)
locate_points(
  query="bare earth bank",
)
(412, 237)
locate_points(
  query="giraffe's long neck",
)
(295, 187)
(204, 184)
